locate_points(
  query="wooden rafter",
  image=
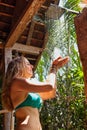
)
(23, 21)
(27, 49)
(45, 41)
(7, 15)
(7, 5)
(30, 33)
(1, 45)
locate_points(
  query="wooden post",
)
(8, 117)
(81, 32)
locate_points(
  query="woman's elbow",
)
(50, 87)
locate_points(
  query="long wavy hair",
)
(15, 68)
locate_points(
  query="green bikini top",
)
(32, 100)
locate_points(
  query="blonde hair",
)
(15, 67)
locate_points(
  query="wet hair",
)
(15, 68)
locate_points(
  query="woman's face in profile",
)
(28, 68)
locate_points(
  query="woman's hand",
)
(60, 62)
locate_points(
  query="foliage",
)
(68, 110)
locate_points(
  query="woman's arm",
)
(59, 62)
(27, 85)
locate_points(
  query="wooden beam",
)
(7, 5)
(27, 49)
(8, 117)
(44, 7)
(20, 6)
(5, 14)
(30, 32)
(45, 41)
(1, 45)
(23, 21)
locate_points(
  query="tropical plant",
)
(68, 110)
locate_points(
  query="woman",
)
(20, 92)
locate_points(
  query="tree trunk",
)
(81, 32)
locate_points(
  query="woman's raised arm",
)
(48, 85)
